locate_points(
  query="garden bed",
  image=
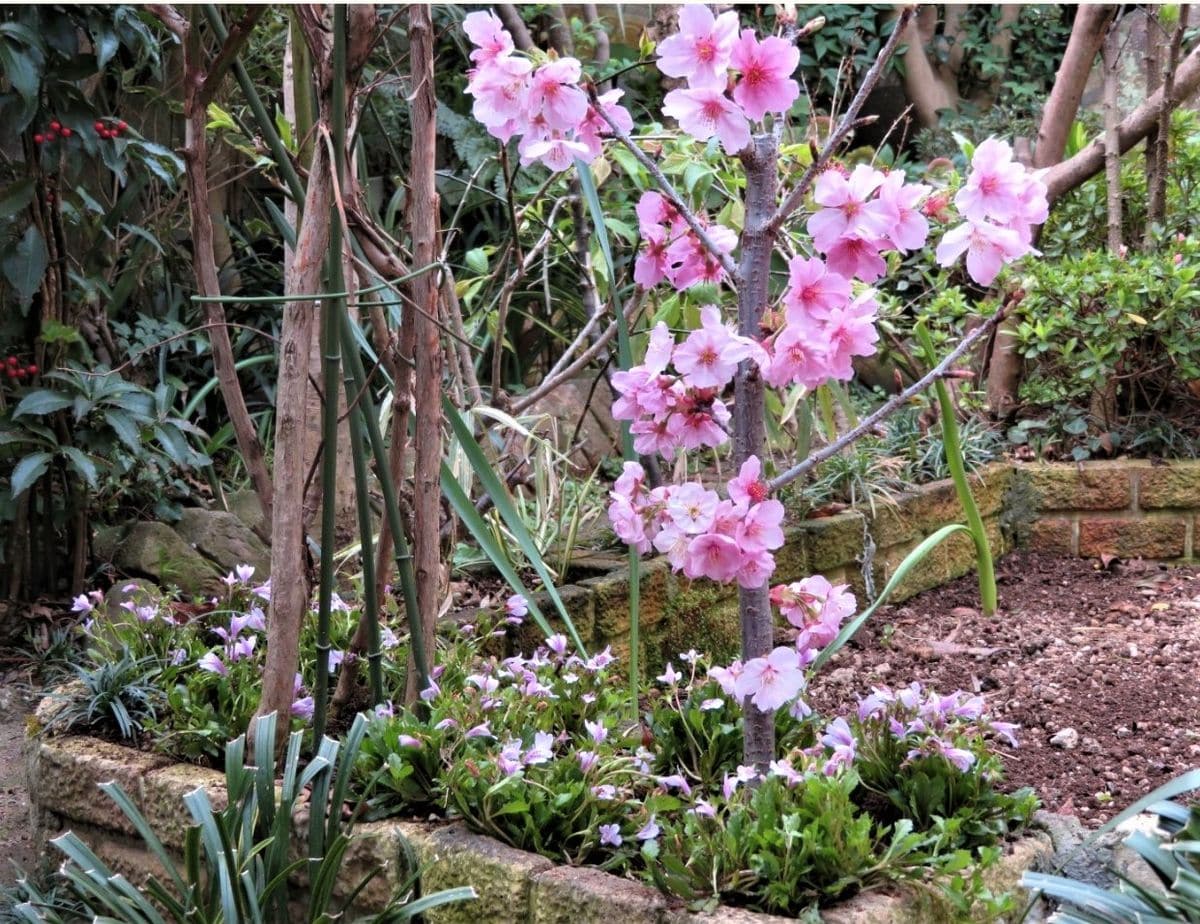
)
(513, 886)
(1096, 664)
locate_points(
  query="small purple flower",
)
(649, 830)
(178, 656)
(81, 604)
(244, 573)
(387, 638)
(874, 705)
(838, 737)
(703, 808)
(587, 760)
(212, 663)
(596, 729)
(598, 662)
(146, 613)
(385, 710)
(675, 781)
(129, 588)
(785, 771)
(509, 759)
(482, 730)
(336, 658)
(1006, 730)
(712, 705)
(430, 692)
(689, 656)
(485, 682)
(670, 676)
(263, 590)
(557, 643)
(446, 723)
(303, 708)
(799, 709)
(256, 619)
(242, 648)
(588, 698)
(542, 749)
(746, 773)
(729, 786)
(605, 792)
(610, 835)
(408, 741)
(516, 608)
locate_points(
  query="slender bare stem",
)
(848, 121)
(890, 407)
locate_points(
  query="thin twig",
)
(668, 190)
(892, 405)
(848, 121)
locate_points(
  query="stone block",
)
(1055, 535)
(163, 790)
(1085, 486)
(451, 856)
(224, 539)
(832, 542)
(154, 550)
(65, 773)
(582, 895)
(1144, 537)
(1176, 485)
(577, 601)
(610, 599)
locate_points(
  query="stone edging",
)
(513, 886)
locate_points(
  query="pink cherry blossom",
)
(488, 35)
(554, 93)
(697, 429)
(690, 262)
(748, 487)
(652, 264)
(692, 507)
(760, 529)
(628, 524)
(857, 257)
(653, 211)
(766, 66)
(756, 570)
(655, 436)
(706, 112)
(845, 211)
(994, 185)
(851, 332)
(773, 681)
(797, 358)
(501, 91)
(988, 248)
(593, 127)
(700, 51)
(813, 290)
(898, 206)
(713, 556)
(556, 152)
(709, 357)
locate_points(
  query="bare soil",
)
(1110, 650)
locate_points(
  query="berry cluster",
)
(14, 370)
(53, 131)
(111, 129)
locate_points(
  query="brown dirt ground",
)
(1111, 652)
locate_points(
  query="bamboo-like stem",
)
(365, 408)
(370, 613)
(332, 308)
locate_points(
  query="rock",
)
(566, 409)
(1091, 746)
(155, 551)
(246, 507)
(843, 675)
(1066, 738)
(223, 538)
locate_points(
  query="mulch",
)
(1110, 650)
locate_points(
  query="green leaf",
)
(25, 264)
(16, 196)
(82, 464)
(42, 402)
(27, 471)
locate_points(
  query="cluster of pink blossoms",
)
(702, 52)
(671, 251)
(817, 610)
(1001, 202)
(701, 534)
(681, 409)
(543, 103)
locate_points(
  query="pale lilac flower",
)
(649, 830)
(605, 792)
(597, 730)
(130, 588)
(838, 737)
(557, 643)
(178, 656)
(408, 741)
(81, 604)
(587, 760)
(212, 663)
(303, 708)
(256, 619)
(712, 705)
(669, 676)
(516, 607)
(242, 648)
(509, 759)
(689, 656)
(542, 749)
(703, 808)
(610, 835)
(1006, 730)
(727, 677)
(431, 691)
(788, 773)
(336, 657)
(146, 613)
(244, 573)
(386, 711)
(263, 590)
(446, 723)
(675, 781)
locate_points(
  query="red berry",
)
(122, 126)
(14, 373)
(12, 360)
(31, 369)
(98, 125)
(38, 139)
(66, 133)
(55, 126)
